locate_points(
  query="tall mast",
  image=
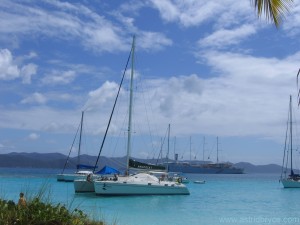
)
(291, 135)
(79, 147)
(112, 112)
(169, 127)
(175, 149)
(130, 107)
(190, 148)
(203, 147)
(217, 149)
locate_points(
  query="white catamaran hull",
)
(141, 184)
(60, 177)
(289, 183)
(83, 186)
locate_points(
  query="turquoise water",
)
(224, 199)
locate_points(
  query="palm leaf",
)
(274, 10)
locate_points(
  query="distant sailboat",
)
(292, 180)
(82, 171)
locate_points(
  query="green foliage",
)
(274, 10)
(39, 213)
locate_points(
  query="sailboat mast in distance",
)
(80, 135)
(203, 147)
(293, 180)
(291, 136)
(190, 148)
(205, 167)
(217, 149)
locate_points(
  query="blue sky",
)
(209, 68)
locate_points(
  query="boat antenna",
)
(112, 111)
(79, 145)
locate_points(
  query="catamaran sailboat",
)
(82, 170)
(142, 183)
(292, 180)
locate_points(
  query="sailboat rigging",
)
(293, 179)
(141, 183)
(81, 169)
(205, 167)
(87, 185)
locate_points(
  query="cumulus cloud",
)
(247, 93)
(35, 98)
(65, 21)
(291, 24)
(9, 69)
(169, 11)
(27, 71)
(104, 94)
(252, 89)
(62, 21)
(153, 41)
(229, 94)
(223, 38)
(41, 119)
(194, 13)
(53, 125)
(59, 77)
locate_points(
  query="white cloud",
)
(168, 10)
(63, 21)
(40, 119)
(246, 98)
(6, 147)
(33, 136)
(101, 96)
(291, 25)
(8, 69)
(224, 37)
(59, 77)
(194, 13)
(35, 98)
(77, 22)
(153, 41)
(229, 94)
(27, 71)
(249, 93)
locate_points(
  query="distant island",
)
(57, 161)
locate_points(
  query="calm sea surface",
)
(224, 199)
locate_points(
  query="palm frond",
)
(273, 10)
